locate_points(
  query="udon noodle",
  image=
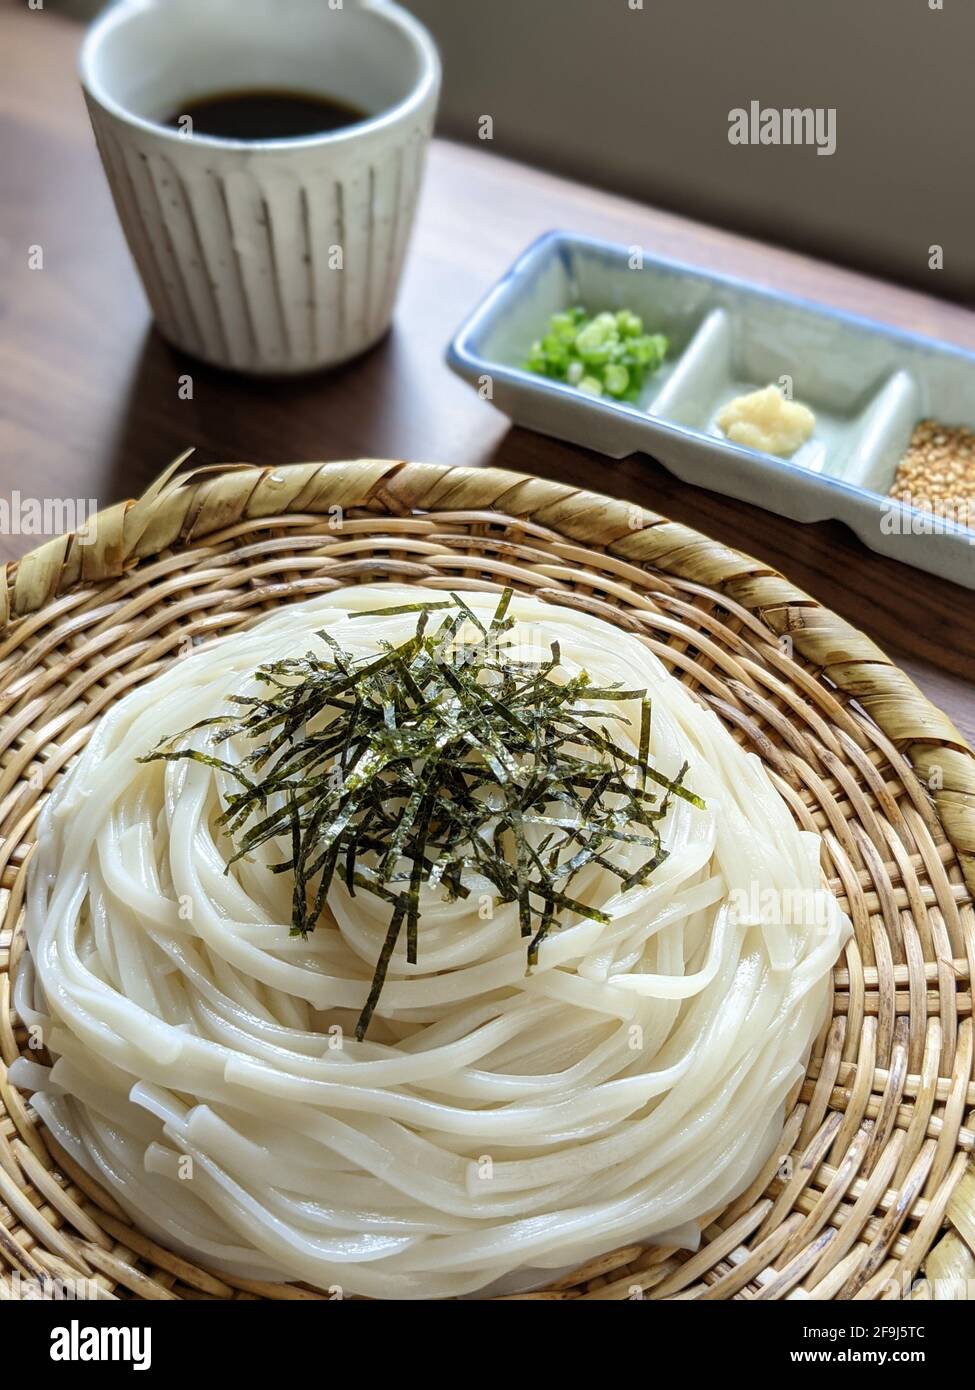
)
(496, 1122)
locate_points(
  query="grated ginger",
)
(766, 420)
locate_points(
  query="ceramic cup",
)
(264, 256)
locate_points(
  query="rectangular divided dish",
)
(868, 386)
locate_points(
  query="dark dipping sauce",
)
(266, 115)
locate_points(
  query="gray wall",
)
(638, 101)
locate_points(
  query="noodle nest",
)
(497, 1123)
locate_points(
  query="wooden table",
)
(90, 392)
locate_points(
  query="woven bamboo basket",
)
(870, 1193)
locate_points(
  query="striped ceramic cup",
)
(271, 256)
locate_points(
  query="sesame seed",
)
(937, 473)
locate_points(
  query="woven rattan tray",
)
(871, 1186)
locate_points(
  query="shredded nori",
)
(439, 759)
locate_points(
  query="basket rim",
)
(179, 510)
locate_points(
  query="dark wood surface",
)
(90, 393)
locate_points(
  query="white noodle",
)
(495, 1121)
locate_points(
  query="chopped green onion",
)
(604, 354)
